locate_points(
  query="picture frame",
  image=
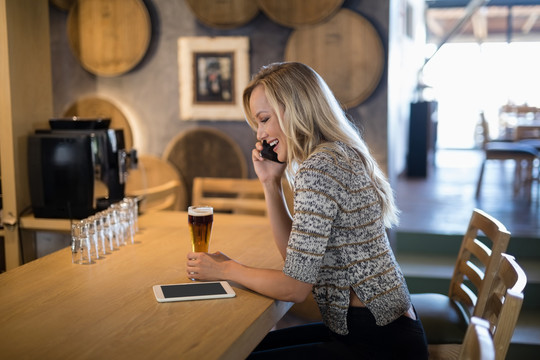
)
(213, 72)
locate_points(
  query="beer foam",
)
(200, 211)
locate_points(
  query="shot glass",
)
(81, 247)
(108, 228)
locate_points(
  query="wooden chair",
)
(158, 182)
(504, 303)
(501, 311)
(445, 317)
(205, 152)
(523, 155)
(243, 196)
(530, 135)
(478, 343)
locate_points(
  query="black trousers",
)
(404, 338)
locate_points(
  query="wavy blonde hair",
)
(312, 117)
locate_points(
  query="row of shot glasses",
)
(97, 236)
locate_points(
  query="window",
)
(468, 78)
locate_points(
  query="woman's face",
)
(268, 124)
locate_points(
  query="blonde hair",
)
(312, 117)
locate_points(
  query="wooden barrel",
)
(294, 13)
(94, 107)
(109, 37)
(346, 51)
(224, 14)
(205, 152)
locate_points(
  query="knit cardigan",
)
(338, 240)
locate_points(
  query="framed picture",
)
(213, 72)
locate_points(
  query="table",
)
(53, 309)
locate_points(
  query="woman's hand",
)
(270, 282)
(206, 266)
(266, 170)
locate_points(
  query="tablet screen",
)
(195, 289)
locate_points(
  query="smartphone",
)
(268, 152)
(193, 291)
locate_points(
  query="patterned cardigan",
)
(338, 240)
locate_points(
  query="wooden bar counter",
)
(53, 309)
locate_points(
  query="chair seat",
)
(531, 142)
(444, 321)
(511, 147)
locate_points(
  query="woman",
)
(336, 245)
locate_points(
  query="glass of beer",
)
(200, 220)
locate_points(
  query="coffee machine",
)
(77, 167)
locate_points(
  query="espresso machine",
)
(77, 167)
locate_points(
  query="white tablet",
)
(193, 291)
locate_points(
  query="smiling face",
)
(267, 122)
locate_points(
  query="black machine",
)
(77, 168)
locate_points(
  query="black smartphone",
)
(268, 152)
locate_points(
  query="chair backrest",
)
(244, 196)
(523, 132)
(205, 152)
(504, 303)
(158, 182)
(484, 129)
(478, 343)
(477, 262)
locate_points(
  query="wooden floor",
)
(442, 203)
